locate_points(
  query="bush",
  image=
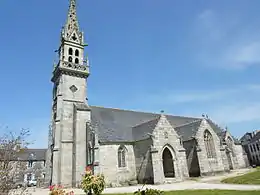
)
(93, 183)
(148, 191)
(58, 190)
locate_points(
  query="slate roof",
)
(187, 131)
(33, 154)
(256, 137)
(27, 154)
(141, 132)
(116, 125)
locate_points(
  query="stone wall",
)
(143, 161)
(192, 158)
(166, 137)
(80, 142)
(241, 163)
(208, 166)
(225, 160)
(108, 164)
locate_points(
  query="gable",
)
(116, 125)
(74, 37)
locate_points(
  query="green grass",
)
(206, 192)
(249, 178)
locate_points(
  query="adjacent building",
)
(27, 165)
(251, 145)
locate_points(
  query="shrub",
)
(58, 190)
(93, 183)
(148, 191)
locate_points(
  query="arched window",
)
(209, 144)
(70, 51)
(70, 59)
(90, 154)
(76, 52)
(76, 61)
(121, 156)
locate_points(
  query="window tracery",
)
(121, 156)
(209, 144)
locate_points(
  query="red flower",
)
(88, 169)
(52, 187)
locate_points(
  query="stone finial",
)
(71, 29)
(72, 21)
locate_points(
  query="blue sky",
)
(184, 57)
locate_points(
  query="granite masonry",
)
(128, 147)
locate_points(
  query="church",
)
(128, 147)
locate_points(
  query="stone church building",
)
(126, 146)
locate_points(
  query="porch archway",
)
(168, 165)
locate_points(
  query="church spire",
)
(71, 29)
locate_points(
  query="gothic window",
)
(76, 61)
(121, 156)
(90, 154)
(76, 52)
(70, 51)
(209, 145)
(70, 59)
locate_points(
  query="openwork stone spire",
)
(71, 30)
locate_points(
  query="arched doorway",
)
(168, 167)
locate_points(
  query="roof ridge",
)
(189, 123)
(157, 118)
(144, 112)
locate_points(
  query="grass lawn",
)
(249, 178)
(206, 192)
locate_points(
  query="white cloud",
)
(243, 55)
(207, 95)
(225, 43)
(237, 112)
(207, 23)
(230, 105)
(176, 97)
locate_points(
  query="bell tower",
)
(70, 110)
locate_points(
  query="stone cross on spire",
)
(71, 30)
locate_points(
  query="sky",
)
(185, 57)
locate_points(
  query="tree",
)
(12, 169)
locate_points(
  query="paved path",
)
(191, 185)
(212, 182)
(184, 186)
